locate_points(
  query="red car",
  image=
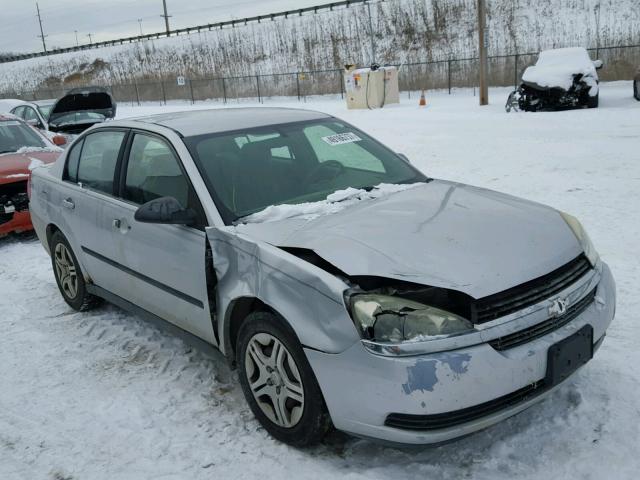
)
(22, 148)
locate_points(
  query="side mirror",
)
(598, 64)
(165, 210)
(59, 140)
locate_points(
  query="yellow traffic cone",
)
(423, 100)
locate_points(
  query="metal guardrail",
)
(195, 29)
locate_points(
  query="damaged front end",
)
(530, 97)
(400, 318)
(13, 199)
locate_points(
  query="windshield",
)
(247, 171)
(14, 135)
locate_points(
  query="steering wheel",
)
(322, 172)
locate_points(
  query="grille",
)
(457, 417)
(543, 328)
(529, 293)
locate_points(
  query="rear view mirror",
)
(165, 210)
(598, 64)
(59, 140)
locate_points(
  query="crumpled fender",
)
(310, 299)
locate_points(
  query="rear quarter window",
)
(71, 168)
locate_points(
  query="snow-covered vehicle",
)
(561, 79)
(346, 286)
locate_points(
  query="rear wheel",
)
(636, 89)
(278, 382)
(68, 275)
(592, 102)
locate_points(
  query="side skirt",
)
(189, 338)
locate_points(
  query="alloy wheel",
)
(66, 271)
(274, 380)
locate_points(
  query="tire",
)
(271, 360)
(592, 102)
(636, 89)
(68, 275)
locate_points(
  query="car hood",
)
(91, 99)
(17, 166)
(441, 234)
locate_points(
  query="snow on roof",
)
(556, 68)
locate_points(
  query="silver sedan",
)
(348, 288)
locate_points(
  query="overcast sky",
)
(108, 19)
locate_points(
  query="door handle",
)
(121, 224)
(68, 203)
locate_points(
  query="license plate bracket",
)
(566, 356)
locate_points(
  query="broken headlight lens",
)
(580, 233)
(389, 319)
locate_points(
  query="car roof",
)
(45, 102)
(200, 122)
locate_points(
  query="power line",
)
(42, 35)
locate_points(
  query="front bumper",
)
(20, 222)
(362, 389)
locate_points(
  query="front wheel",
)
(592, 102)
(278, 382)
(68, 275)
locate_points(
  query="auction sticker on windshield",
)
(341, 138)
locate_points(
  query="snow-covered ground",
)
(103, 395)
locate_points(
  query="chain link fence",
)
(620, 63)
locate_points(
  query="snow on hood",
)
(335, 202)
(52, 148)
(556, 68)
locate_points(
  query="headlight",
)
(388, 319)
(583, 238)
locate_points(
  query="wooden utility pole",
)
(483, 44)
(166, 15)
(371, 36)
(42, 35)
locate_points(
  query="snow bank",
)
(335, 202)
(556, 68)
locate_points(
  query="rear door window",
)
(97, 164)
